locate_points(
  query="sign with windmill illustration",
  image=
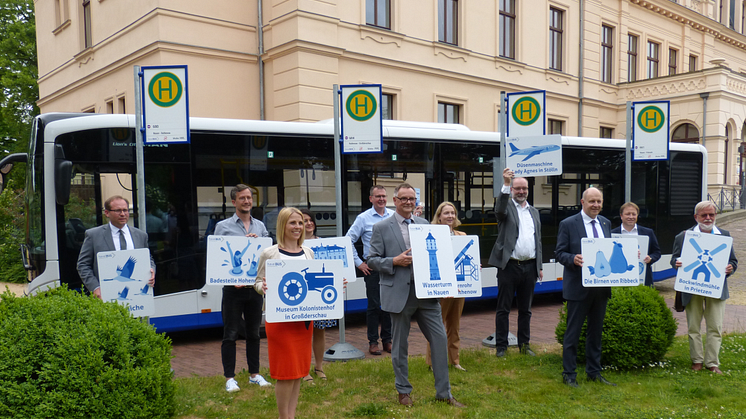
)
(610, 262)
(124, 277)
(432, 261)
(703, 259)
(233, 260)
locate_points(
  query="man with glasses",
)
(698, 306)
(517, 256)
(362, 228)
(390, 254)
(114, 235)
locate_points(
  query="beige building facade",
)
(437, 60)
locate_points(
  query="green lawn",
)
(512, 387)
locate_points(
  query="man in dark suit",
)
(517, 256)
(114, 235)
(629, 212)
(697, 306)
(390, 255)
(582, 303)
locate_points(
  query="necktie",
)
(122, 241)
(408, 221)
(595, 232)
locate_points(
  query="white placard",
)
(466, 259)
(432, 261)
(650, 132)
(362, 122)
(535, 156)
(335, 248)
(526, 113)
(643, 247)
(124, 277)
(704, 257)
(233, 260)
(610, 262)
(165, 98)
(304, 289)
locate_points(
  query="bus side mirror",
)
(63, 170)
(6, 165)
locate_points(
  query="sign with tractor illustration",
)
(466, 261)
(703, 259)
(610, 262)
(304, 289)
(432, 261)
(124, 278)
(232, 260)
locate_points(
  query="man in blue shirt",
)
(362, 228)
(240, 301)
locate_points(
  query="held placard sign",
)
(304, 289)
(467, 263)
(642, 248)
(609, 262)
(704, 257)
(233, 260)
(526, 114)
(165, 104)
(650, 134)
(432, 261)
(362, 123)
(124, 276)
(535, 156)
(335, 248)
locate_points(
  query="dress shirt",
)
(714, 230)
(363, 228)
(234, 226)
(404, 228)
(632, 232)
(589, 227)
(127, 236)
(525, 246)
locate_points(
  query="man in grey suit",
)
(390, 254)
(114, 235)
(517, 256)
(582, 303)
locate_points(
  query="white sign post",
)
(535, 156)
(650, 130)
(362, 122)
(165, 104)
(232, 260)
(642, 249)
(432, 261)
(335, 248)
(124, 278)
(703, 259)
(609, 262)
(526, 113)
(304, 289)
(466, 261)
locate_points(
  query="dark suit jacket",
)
(507, 232)
(98, 239)
(678, 243)
(386, 242)
(571, 231)
(654, 251)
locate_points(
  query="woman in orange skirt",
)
(288, 344)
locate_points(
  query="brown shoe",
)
(405, 400)
(453, 402)
(697, 366)
(387, 347)
(716, 370)
(374, 349)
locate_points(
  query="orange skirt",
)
(289, 349)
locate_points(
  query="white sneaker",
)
(259, 380)
(231, 385)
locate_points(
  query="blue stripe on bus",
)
(187, 322)
(665, 274)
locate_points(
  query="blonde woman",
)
(450, 308)
(288, 344)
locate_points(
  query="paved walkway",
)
(198, 352)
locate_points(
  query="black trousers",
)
(247, 303)
(592, 308)
(374, 314)
(516, 281)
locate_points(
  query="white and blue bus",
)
(76, 161)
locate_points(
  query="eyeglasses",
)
(379, 196)
(406, 199)
(707, 215)
(119, 211)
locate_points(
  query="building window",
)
(121, 104)
(448, 21)
(673, 56)
(378, 13)
(631, 58)
(743, 17)
(653, 59)
(60, 12)
(556, 126)
(692, 63)
(720, 11)
(87, 24)
(387, 106)
(110, 106)
(507, 28)
(448, 113)
(607, 53)
(555, 38)
(607, 132)
(685, 133)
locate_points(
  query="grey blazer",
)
(386, 243)
(507, 232)
(98, 239)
